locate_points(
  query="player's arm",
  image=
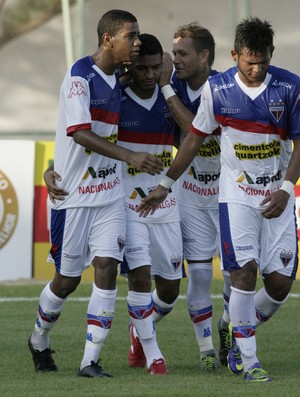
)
(186, 152)
(181, 114)
(50, 178)
(140, 160)
(278, 200)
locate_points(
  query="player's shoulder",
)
(82, 67)
(282, 76)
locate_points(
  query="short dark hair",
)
(202, 38)
(112, 21)
(254, 35)
(150, 45)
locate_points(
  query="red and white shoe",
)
(158, 367)
(136, 356)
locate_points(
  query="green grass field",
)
(277, 341)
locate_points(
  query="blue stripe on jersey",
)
(228, 254)
(296, 259)
(142, 126)
(58, 220)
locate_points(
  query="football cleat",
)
(257, 374)
(235, 362)
(136, 356)
(43, 361)
(93, 371)
(158, 367)
(225, 343)
(208, 360)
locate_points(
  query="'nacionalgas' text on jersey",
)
(199, 184)
(89, 100)
(258, 125)
(147, 126)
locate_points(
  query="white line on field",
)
(85, 299)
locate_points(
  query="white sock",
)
(242, 315)
(50, 307)
(100, 315)
(140, 311)
(225, 319)
(265, 306)
(199, 303)
(160, 309)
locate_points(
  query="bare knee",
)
(139, 279)
(63, 286)
(277, 285)
(167, 290)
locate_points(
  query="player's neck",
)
(197, 81)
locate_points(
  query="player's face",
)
(126, 43)
(146, 71)
(252, 68)
(187, 62)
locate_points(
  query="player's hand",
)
(54, 192)
(150, 203)
(167, 69)
(146, 162)
(276, 203)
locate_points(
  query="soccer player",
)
(257, 107)
(88, 226)
(153, 244)
(198, 187)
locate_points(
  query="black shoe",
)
(43, 361)
(225, 343)
(93, 371)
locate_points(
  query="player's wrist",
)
(167, 182)
(167, 91)
(288, 187)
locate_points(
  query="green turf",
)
(278, 350)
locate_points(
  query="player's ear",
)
(234, 55)
(107, 40)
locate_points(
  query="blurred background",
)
(34, 56)
(39, 39)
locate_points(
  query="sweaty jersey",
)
(146, 125)
(89, 100)
(257, 125)
(198, 186)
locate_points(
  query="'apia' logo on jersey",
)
(276, 109)
(260, 180)
(204, 177)
(8, 209)
(101, 173)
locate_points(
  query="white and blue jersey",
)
(89, 100)
(257, 126)
(146, 125)
(198, 186)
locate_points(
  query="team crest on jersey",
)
(285, 257)
(121, 243)
(276, 110)
(176, 261)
